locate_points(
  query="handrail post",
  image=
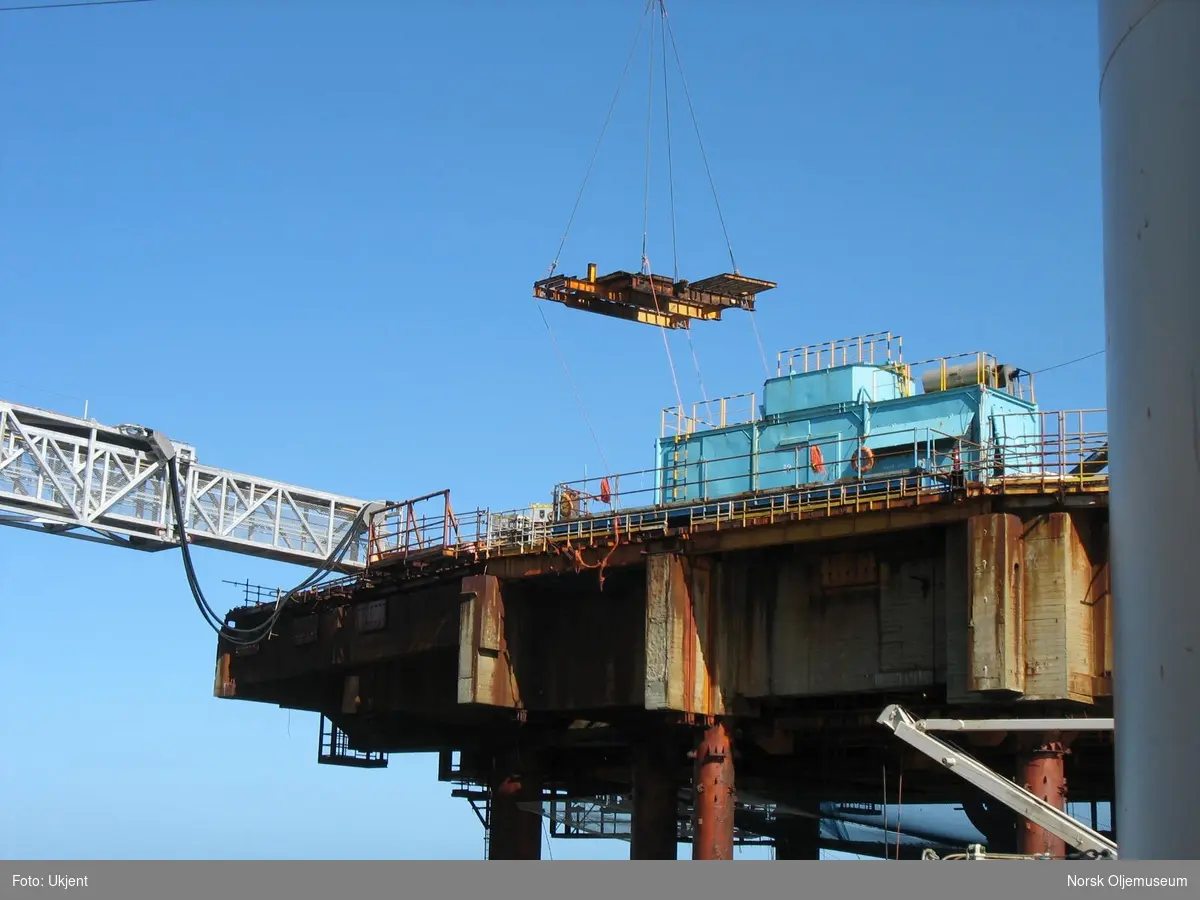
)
(1062, 443)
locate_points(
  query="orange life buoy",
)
(566, 503)
(815, 459)
(863, 459)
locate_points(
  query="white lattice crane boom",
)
(78, 478)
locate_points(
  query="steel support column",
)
(1042, 773)
(714, 796)
(514, 833)
(655, 826)
(1150, 152)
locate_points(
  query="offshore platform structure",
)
(699, 651)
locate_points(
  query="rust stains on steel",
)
(995, 603)
(224, 685)
(704, 602)
(715, 796)
(684, 609)
(532, 565)
(485, 669)
(633, 546)
(1043, 774)
(514, 833)
(653, 299)
(428, 545)
(682, 637)
(1066, 652)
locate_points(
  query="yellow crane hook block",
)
(652, 299)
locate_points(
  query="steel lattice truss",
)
(78, 478)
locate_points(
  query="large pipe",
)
(714, 797)
(1150, 135)
(1043, 774)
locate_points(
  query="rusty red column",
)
(514, 833)
(714, 796)
(1043, 773)
(655, 823)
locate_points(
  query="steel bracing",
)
(78, 478)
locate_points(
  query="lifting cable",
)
(571, 220)
(1069, 362)
(646, 270)
(670, 32)
(667, 32)
(671, 194)
(574, 389)
(604, 128)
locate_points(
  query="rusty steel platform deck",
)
(596, 653)
(653, 299)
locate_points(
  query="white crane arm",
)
(915, 733)
(77, 478)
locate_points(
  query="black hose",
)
(256, 633)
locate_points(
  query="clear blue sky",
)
(301, 236)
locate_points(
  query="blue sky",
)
(301, 237)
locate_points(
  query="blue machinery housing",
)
(845, 418)
(842, 423)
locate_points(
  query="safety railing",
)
(1023, 453)
(334, 749)
(967, 369)
(900, 467)
(525, 529)
(876, 349)
(809, 463)
(721, 412)
(611, 816)
(423, 526)
(891, 382)
(256, 594)
(1068, 448)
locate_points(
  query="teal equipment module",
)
(852, 411)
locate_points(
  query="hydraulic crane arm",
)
(75, 477)
(915, 733)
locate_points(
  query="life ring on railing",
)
(815, 460)
(863, 459)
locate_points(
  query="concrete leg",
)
(1042, 772)
(514, 833)
(655, 804)
(800, 841)
(714, 796)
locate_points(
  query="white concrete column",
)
(1150, 127)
